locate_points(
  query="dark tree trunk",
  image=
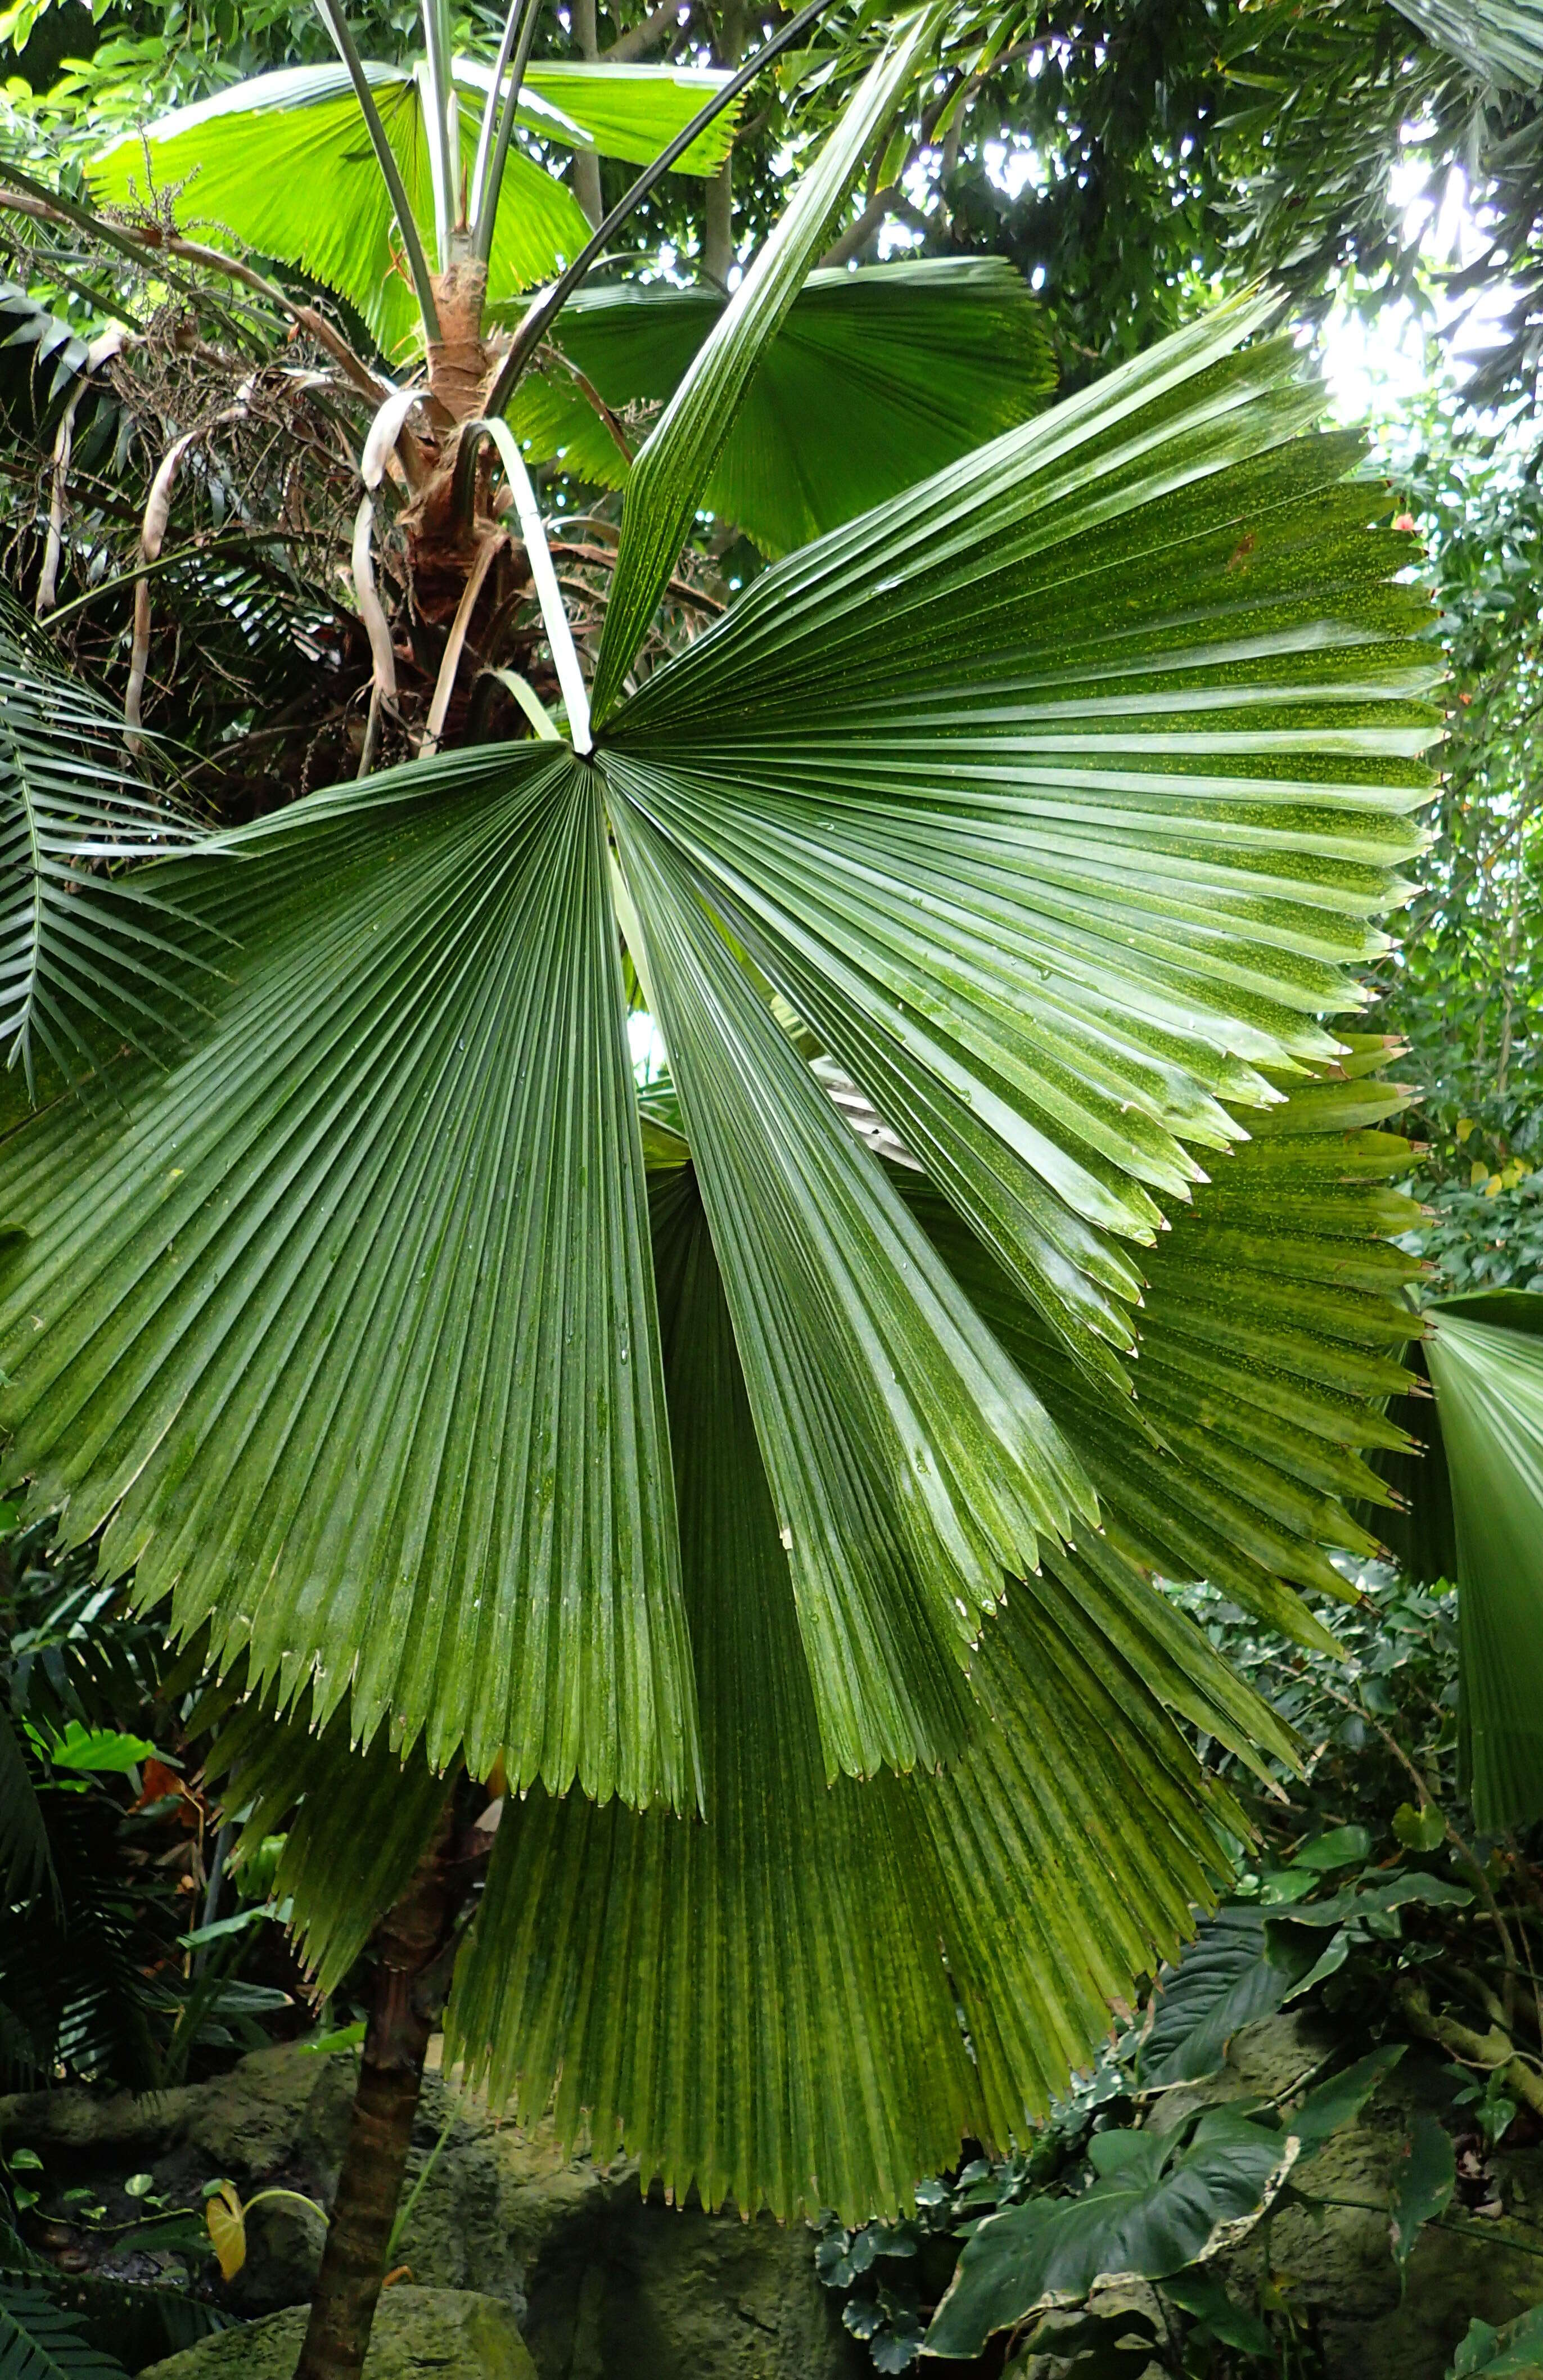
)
(409, 1944)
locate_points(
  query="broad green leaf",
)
(874, 380)
(1200, 2295)
(1513, 2352)
(670, 475)
(1330, 1959)
(1229, 1977)
(1409, 1888)
(1329, 2106)
(1419, 1830)
(1424, 2180)
(1499, 41)
(345, 1323)
(758, 2004)
(1341, 1847)
(1487, 1374)
(1281, 1885)
(1152, 2211)
(104, 1749)
(282, 164)
(911, 1467)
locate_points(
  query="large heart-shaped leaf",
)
(1151, 2210)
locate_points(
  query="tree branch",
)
(665, 19)
(143, 243)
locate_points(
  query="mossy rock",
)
(452, 2334)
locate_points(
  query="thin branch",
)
(663, 20)
(891, 199)
(141, 244)
(603, 558)
(391, 173)
(593, 398)
(857, 234)
(194, 553)
(544, 312)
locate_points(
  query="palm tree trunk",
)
(408, 1943)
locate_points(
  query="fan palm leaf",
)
(254, 156)
(40, 2340)
(876, 380)
(1049, 806)
(768, 2005)
(413, 1368)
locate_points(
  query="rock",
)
(282, 2110)
(603, 2283)
(657, 2294)
(606, 2284)
(452, 2334)
(284, 2240)
(1337, 2267)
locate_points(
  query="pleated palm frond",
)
(1498, 40)
(354, 1824)
(1271, 1329)
(377, 1391)
(810, 1479)
(282, 163)
(1475, 1517)
(769, 2004)
(80, 953)
(877, 379)
(40, 2341)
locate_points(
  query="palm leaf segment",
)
(1499, 41)
(1474, 1516)
(79, 951)
(40, 2340)
(255, 156)
(1055, 800)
